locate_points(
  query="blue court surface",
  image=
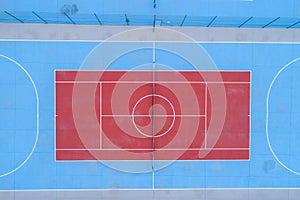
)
(244, 110)
(27, 131)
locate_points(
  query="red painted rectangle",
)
(66, 131)
(145, 115)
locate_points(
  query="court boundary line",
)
(159, 149)
(158, 70)
(171, 82)
(267, 117)
(205, 113)
(55, 115)
(145, 189)
(137, 82)
(203, 160)
(145, 115)
(203, 82)
(100, 114)
(149, 41)
(250, 113)
(179, 161)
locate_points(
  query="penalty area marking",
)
(37, 116)
(267, 117)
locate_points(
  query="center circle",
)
(133, 115)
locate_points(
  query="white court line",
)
(141, 161)
(148, 82)
(100, 113)
(250, 113)
(157, 70)
(201, 82)
(267, 117)
(145, 189)
(205, 114)
(55, 115)
(149, 41)
(168, 149)
(171, 82)
(145, 115)
(37, 115)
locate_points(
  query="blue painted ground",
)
(266, 169)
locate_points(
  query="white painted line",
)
(149, 41)
(250, 112)
(167, 149)
(205, 119)
(37, 115)
(100, 114)
(55, 115)
(145, 82)
(267, 117)
(146, 189)
(141, 161)
(157, 70)
(182, 115)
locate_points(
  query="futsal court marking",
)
(100, 118)
(115, 115)
(141, 115)
(37, 116)
(250, 114)
(169, 149)
(146, 82)
(267, 117)
(179, 70)
(148, 189)
(150, 41)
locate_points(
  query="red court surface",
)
(152, 115)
